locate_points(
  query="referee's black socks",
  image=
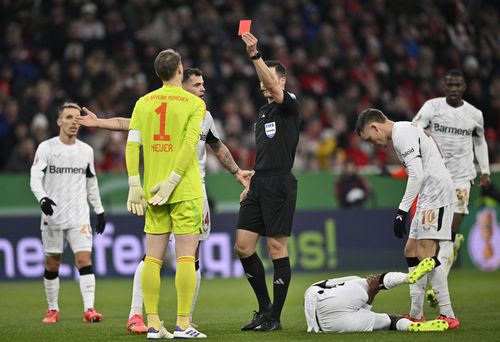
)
(282, 276)
(254, 271)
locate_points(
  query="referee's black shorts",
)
(269, 206)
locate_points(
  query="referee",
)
(268, 204)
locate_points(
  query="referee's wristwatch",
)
(256, 56)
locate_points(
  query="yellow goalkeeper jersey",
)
(169, 120)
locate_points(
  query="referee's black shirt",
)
(277, 134)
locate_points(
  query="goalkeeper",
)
(167, 124)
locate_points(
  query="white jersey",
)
(453, 129)
(338, 305)
(410, 142)
(208, 135)
(65, 174)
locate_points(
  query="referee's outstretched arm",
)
(266, 76)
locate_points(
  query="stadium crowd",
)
(342, 56)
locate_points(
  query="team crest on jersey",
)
(270, 129)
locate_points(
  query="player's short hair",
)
(367, 117)
(69, 105)
(280, 68)
(166, 64)
(188, 72)
(454, 73)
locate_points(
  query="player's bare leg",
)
(456, 236)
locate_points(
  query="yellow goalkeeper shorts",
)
(178, 218)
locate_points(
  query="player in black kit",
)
(268, 204)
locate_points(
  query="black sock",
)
(256, 276)
(436, 261)
(50, 275)
(282, 276)
(412, 261)
(86, 270)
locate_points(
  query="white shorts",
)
(79, 239)
(462, 189)
(206, 224)
(432, 224)
(344, 308)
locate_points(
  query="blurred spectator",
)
(113, 157)
(89, 28)
(343, 56)
(21, 157)
(40, 128)
(351, 189)
(357, 150)
(327, 151)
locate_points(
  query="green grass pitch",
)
(225, 305)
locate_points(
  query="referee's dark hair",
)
(280, 68)
(188, 72)
(368, 116)
(68, 105)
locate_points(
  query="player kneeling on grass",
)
(344, 304)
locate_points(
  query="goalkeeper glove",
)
(400, 224)
(46, 205)
(136, 203)
(101, 224)
(164, 189)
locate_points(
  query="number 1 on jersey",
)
(162, 112)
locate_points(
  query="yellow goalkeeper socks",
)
(151, 290)
(185, 284)
(154, 321)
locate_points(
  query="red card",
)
(244, 27)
